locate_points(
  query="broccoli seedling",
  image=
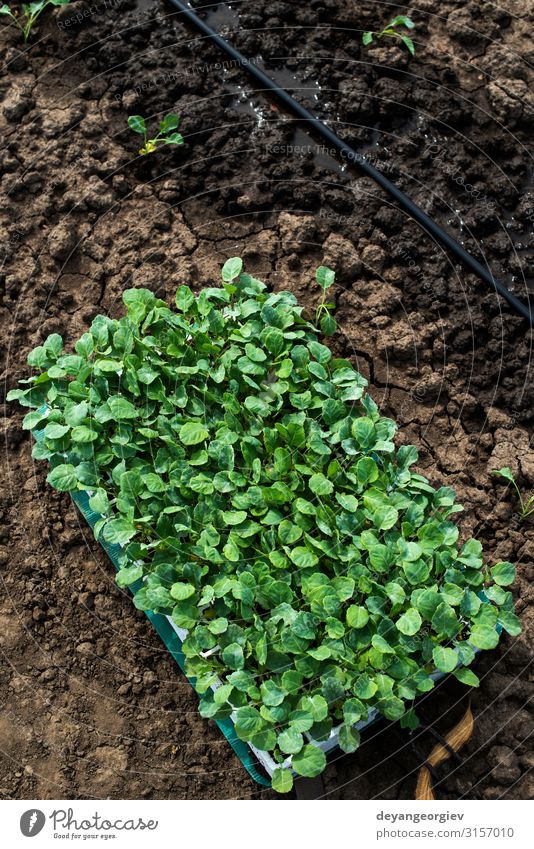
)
(29, 13)
(166, 133)
(526, 508)
(390, 30)
(326, 278)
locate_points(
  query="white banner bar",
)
(262, 824)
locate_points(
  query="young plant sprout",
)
(526, 508)
(325, 278)
(29, 13)
(390, 30)
(166, 133)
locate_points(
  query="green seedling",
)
(255, 494)
(166, 133)
(526, 508)
(26, 18)
(326, 278)
(391, 31)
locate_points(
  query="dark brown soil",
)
(92, 706)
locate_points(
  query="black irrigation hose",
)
(352, 156)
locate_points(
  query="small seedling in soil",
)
(29, 13)
(526, 507)
(325, 278)
(166, 133)
(391, 30)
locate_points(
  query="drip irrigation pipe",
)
(351, 155)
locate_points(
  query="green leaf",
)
(282, 781)
(367, 38)
(444, 620)
(271, 694)
(466, 676)
(357, 617)
(348, 502)
(170, 122)
(83, 434)
(234, 517)
(365, 687)
(290, 741)
(391, 707)
(510, 622)
(192, 433)
(325, 277)
(505, 473)
(54, 430)
(503, 573)
(288, 532)
(320, 352)
(445, 659)
(320, 485)
(231, 269)
(233, 656)
(63, 478)
(118, 531)
(184, 298)
(349, 738)
(181, 591)
(366, 470)
(483, 637)
(409, 43)
(309, 762)
(328, 325)
(274, 341)
(303, 558)
(120, 408)
(410, 622)
(128, 575)
(137, 124)
(385, 517)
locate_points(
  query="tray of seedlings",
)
(256, 500)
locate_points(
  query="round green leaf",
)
(282, 781)
(366, 470)
(348, 502)
(232, 268)
(483, 637)
(83, 434)
(502, 573)
(309, 762)
(303, 558)
(445, 659)
(233, 656)
(325, 277)
(192, 433)
(63, 478)
(137, 124)
(290, 741)
(357, 617)
(54, 430)
(320, 485)
(180, 591)
(410, 622)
